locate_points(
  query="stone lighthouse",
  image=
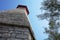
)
(14, 24)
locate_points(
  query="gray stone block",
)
(21, 36)
(13, 35)
(7, 35)
(3, 39)
(12, 39)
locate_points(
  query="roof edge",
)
(23, 6)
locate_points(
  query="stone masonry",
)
(14, 25)
(13, 33)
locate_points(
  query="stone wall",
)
(14, 18)
(14, 25)
(13, 33)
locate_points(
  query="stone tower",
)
(14, 24)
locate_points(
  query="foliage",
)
(52, 14)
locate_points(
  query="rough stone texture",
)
(13, 33)
(14, 17)
(14, 25)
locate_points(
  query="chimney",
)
(23, 6)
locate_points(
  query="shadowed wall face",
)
(14, 33)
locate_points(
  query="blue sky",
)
(34, 9)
